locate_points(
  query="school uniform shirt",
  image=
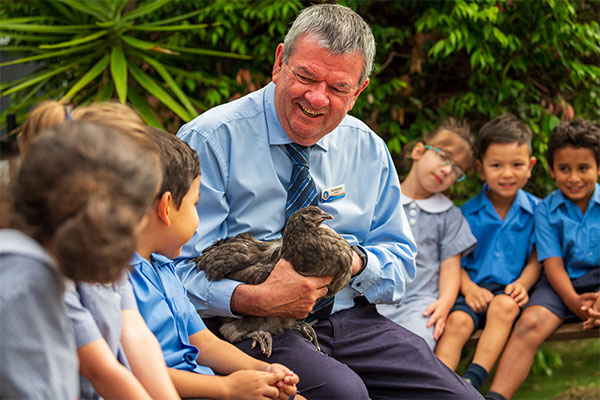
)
(503, 246)
(246, 172)
(562, 230)
(38, 359)
(95, 313)
(168, 312)
(441, 231)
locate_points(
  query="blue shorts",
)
(478, 318)
(543, 294)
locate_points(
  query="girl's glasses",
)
(456, 172)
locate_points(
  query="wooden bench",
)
(568, 331)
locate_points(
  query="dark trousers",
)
(364, 355)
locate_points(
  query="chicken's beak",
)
(326, 216)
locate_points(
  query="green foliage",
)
(545, 361)
(173, 59)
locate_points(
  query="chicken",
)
(313, 249)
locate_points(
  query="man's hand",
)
(285, 293)
(479, 299)
(518, 293)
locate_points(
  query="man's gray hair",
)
(337, 29)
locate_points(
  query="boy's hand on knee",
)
(479, 299)
(517, 292)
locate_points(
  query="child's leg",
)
(459, 326)
(501, 314)
(534, 326)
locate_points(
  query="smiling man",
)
(291, 144)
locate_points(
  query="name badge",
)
(333, 193)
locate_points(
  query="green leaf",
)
(157, 91)
(143, 45)
(45, 28)
(88, 77)
(49, 55)
(207, 52)
(155, 28)
(86, 8)
(75, 42)
(180, 18)
(142, 107)
(160, 68)
(145, 9)
(106, 91)
(37, 78)
(118, 69)
(117, 7)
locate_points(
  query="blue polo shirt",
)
(168, 312)
(561, 230)
(503, 246)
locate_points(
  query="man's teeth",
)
(309, 113)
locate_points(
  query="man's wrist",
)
(363, 256)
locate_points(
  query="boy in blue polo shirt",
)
(567, 232)
(190, 350)
(497, 275)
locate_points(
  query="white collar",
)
(435, 204)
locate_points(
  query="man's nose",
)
(317, 95)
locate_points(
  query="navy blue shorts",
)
(478, 318)
(543, 294)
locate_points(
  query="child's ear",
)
(164, 208)
(532, 161)
(417, 151)
(479, 169)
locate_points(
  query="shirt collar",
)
(438, 203)
(277, 135)
(481, 201)
(559, 199)
(14, 241)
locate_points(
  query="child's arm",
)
(519, 289)
(145, 356)
(109, 377)
(476, 297)
(224, 358)
(245, 384)
(448, 284)
(561, 283)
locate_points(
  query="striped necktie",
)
(302, 192)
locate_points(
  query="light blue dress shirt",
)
(245, 174)
(503, 246)
(561, 230)
(165, 307)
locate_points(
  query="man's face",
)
(315, 90)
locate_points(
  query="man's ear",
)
(359, 91)
(163, 208)
(278, 64)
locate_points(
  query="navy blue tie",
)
(302, 192)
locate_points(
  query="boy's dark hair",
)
(180, 164)
(577, 133)
(505, 128)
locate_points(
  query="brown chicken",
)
(312, 248)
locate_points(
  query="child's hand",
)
(518, 293)
(581, 304)
(479, 299)
(286, 386)
(438, 311)
(592, 311)
(250, 384)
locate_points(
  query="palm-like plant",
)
(92, 50)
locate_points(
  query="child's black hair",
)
(577, 133)
(505, 128)
(180, 164)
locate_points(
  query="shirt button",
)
(413, 205)
(412, 221)
(358, 284)
(412, 212)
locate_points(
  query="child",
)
(191, 351)
(439, 228)
(71, 201)
(567, 232)
(497, 275)
(114, 345)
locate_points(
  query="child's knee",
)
(503, 308)
(459, 323)
(530, 326)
